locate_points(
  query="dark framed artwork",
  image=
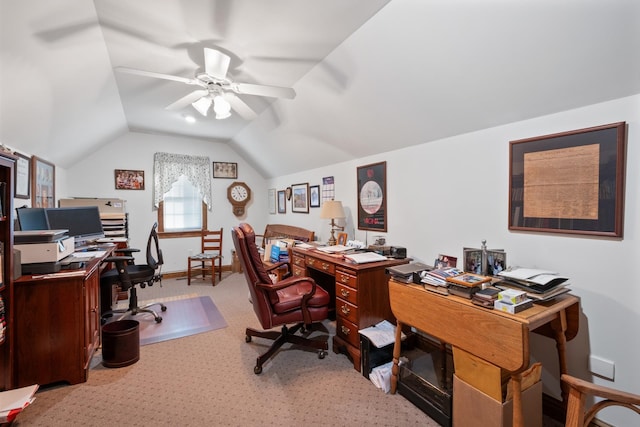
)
(314, 196)
(126, 179)
(226, 170)
(282, 202)
(43, 183)
(300, 198)
(22, 176)
(372, 197)
(570, 182)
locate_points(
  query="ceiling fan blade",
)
(187, 100)
(240, 107)
(216, 63)
(159, 76)
(263, 90)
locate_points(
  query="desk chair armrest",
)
(291, 281)
(276, 266)
(126, 251)
(118, 259)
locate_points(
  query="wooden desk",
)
(359, 293)
(499, 338)
(57, 324)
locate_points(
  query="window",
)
(182, 211)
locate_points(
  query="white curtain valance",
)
(168, 167)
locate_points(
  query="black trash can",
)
(120, 343)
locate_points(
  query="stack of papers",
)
(335, 249)
(364, 257)
(12, 402)
(381, 334)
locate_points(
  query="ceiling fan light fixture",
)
(202, 105)
(221, 107)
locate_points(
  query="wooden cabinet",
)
(7, 165)
(58, 329)
(359, 294)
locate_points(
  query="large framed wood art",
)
(570, 182)
(43, 183)
(372, 197)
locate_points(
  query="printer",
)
(42, 250)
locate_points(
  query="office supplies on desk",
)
(365, 257)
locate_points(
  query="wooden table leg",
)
(395, 370)
(559, 326)
(516, 382)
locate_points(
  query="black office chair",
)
(127, 275)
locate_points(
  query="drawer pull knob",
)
(325, 266)
(344, 279)
(345, 330)
(345, 293)
(345, 310)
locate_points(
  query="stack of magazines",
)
(436, 280)
(540, 285)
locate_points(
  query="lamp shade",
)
(332, 209)
(221, 107)
(202, 105)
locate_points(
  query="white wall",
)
(94, 177)
(442, 196)
(453, 193)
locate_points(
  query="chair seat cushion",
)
(137, 274)
(289, 298)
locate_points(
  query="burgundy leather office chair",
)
(296, 300)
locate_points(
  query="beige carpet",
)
(208, 379)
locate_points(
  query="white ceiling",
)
(370, 75)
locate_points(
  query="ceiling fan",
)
(216, 88)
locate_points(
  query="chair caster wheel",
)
(158, 319)
(247, 338)
(322, 354)
(163, 308)
(257, 370)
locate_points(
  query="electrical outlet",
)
(602, 367)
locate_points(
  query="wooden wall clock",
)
(239, 195)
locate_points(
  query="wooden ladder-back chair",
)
(210, 255)
(294, 300)
(577, 413)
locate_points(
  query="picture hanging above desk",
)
(372, 197)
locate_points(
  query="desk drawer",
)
(299, 271)
(347, 331)
(347, 293)
(345, 278)
(298, 260)
(318, 264)
(346, 310)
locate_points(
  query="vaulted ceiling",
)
(370, 75)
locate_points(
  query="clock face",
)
(239, 193)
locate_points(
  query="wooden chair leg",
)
(213, 273)
(189, 273)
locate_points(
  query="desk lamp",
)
(332, 209)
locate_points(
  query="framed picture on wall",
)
(272, 200)
(314, 196)
(129, 179)
(225, 170)
(372, 197)
(43, 183)
(22, 176)
(282, 202)
(300, 198)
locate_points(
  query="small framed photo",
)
(272, 200)
(129, 179)
(472, 260)
(342, 239)
(300, 198)
(282, 202)
(43, 183)
(226, 170)
(496, 262)
(444, 261)
(22, 176)
(314, 196)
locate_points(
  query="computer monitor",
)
(83, 222)
(30, 219)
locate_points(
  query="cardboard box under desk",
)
(473, 408)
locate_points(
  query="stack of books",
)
(539, 285)
(467, 284)
(406, 273)
(436, 280)
(486, 297)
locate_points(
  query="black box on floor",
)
(372, 356)
(427, 379)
